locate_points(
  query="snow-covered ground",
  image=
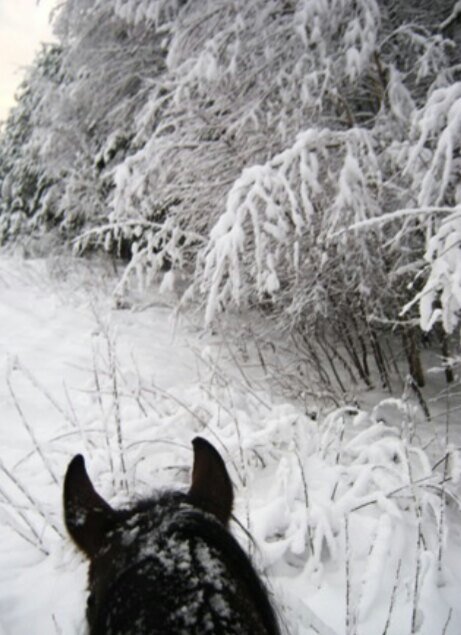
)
(356, 523)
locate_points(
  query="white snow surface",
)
(347, 515)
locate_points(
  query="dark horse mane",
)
(167, 564)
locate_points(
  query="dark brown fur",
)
(167, 565)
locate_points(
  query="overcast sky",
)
(23, 25)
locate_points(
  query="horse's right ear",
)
(211, 487)
(87, 516)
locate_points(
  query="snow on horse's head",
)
(168, 564)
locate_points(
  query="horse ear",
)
(87, 516)
(211, 487)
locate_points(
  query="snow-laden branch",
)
(274, 211)
(394, 216)
(433, 162)
(440, 298)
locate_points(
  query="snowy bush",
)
(438, 127)
(280, 218)
(440, 298)
(435, 167)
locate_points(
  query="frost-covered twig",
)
(39, 386)
(231, 413)
(243, 465)
(398, 214)
(138, 392)
(30, 432)
(103, 416)
(306, 500)
(350, 626)
(419, 544)
(36, 540)
(393, 597)
(448, 620)
(219, 372)
(442, 519)
(57, 627)
(116, 404)
(33, 501)
(76, 420)
(155, 390)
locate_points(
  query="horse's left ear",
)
(211, 487)
(87, 516)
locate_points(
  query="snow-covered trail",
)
(50, 331)
(48, 328)
(49, 323)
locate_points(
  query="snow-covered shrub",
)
(301, 235)
(275, 236)
(440, 298)
(435, 167)
(433, 160)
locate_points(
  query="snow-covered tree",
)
(296, 154)
(24, 178)
(299, 230)
(83, 122)
(242, 80)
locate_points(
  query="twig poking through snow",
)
(97, 384)
(76, 420)
(347, 562)
(393, 596)
(33, 501)
(117, 412)
(34, 381)
(29, 430)
(447, 623)
(37, 541)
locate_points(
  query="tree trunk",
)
(413, 357)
